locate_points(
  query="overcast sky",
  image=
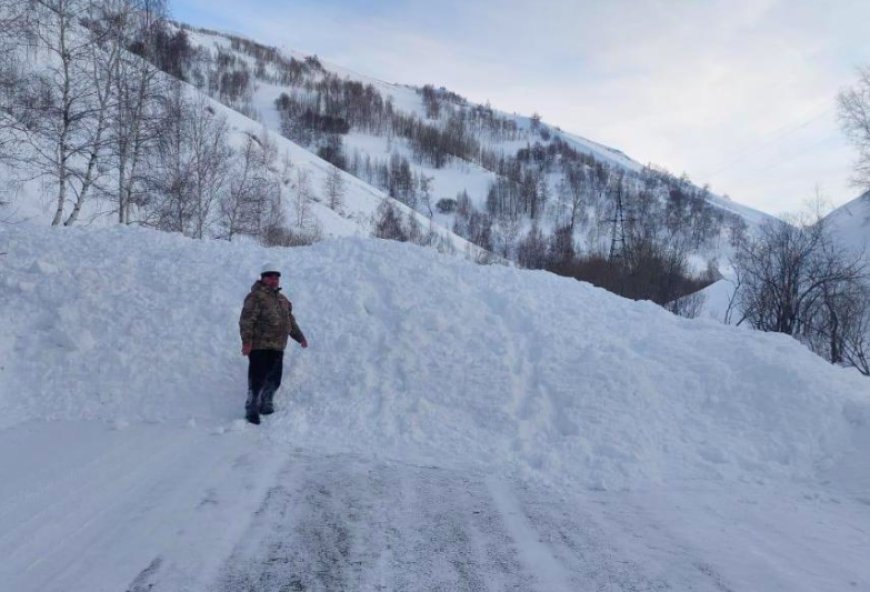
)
(739, 94)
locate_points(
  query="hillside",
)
(291, 171)
(235, 140)
(118, 337)
(850, 223)
(431, 149)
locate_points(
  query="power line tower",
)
(617, 232)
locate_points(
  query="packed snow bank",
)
(414, 356)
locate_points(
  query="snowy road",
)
(345, 523)
(159, 508)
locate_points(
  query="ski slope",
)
(451, 426)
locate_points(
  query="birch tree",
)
(12, 39)
(139, 84)
(59, 106)
(254, 191)
(192, 165)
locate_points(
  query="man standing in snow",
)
(265, 322)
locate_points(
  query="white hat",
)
(269, 268)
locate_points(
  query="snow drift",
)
(416, 356)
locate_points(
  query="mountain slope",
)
(360, 202)
(516, 170)
(850, 224)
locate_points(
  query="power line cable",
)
(775, 136)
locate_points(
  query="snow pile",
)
(413, 356)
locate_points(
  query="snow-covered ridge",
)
(408, 99)
(414, 356)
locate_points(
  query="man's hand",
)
(246, 349)
(304, 343)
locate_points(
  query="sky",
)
(737, 94)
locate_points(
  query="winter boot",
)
(266, 407)
(251, 409)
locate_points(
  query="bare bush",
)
(783, 274)
(689, 306)
(388, 223)
(792, 279)
(277, 235)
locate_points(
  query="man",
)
(265, 322)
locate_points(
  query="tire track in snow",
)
(343, 523)
(533, 551)
(340, 523)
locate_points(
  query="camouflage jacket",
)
(267, 319)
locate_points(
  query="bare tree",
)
(12, 17)
(104, 55)
(210, 159)
(254, 191)
(853, 302)
(59, 105)
(139, 85)
(561, 249)
(855, 345)
(854, 114)
(333, 187)
(656, 268)
(305, 229)
(573, 195)
(78, 106)
(426, 193)
(192, 165)
(304, 195)
(12, 39)
(532, 250)
(415, 229)
(784, 272)
(839, 327)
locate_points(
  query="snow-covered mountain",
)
(850, 225)
(455, 174)
(506, 165)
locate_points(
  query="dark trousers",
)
(265, 367)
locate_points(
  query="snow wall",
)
(413, 356)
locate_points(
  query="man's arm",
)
(295, 331)
(250, 312)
